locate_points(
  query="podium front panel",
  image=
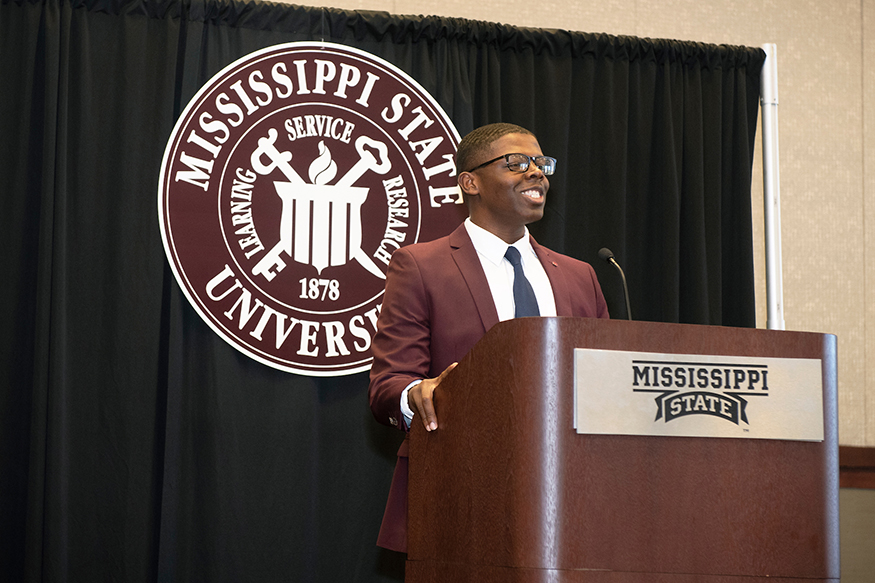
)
(506, 490)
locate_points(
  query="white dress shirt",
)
(499, 271)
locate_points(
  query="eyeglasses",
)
(520, 163)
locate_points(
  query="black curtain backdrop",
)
(135, 445)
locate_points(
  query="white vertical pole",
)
(772, 190)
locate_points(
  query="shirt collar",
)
(491, 246)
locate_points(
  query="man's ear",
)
(468, 184)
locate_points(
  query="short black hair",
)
(473, 147)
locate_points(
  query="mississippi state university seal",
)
(288, 181)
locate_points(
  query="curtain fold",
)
(135, 445)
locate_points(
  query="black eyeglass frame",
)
(530, 160)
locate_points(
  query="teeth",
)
(532, 194)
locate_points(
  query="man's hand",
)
(420, 399)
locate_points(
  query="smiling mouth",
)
(533, 194)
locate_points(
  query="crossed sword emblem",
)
(373, 156)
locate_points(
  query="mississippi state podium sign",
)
(287, 183)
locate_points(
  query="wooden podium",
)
(506, 490)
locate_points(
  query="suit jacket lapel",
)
(561, 292)
(468, 263)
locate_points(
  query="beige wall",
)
(827, 147)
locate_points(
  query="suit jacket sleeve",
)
(576, 288)
(401, 345)
(588, 287)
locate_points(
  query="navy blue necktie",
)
(523, 294)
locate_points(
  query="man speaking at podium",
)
(442, 296)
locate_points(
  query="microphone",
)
(607, 255)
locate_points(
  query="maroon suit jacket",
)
(437, 305)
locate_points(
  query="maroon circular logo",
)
(287, 183)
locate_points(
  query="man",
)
(442, 296)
